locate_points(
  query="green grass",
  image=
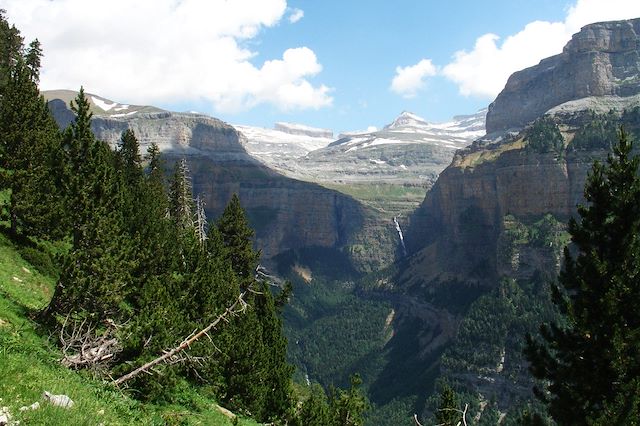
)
(30, 364)
(384, 197)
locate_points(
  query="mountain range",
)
(482, 241)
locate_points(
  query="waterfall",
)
(404, 249)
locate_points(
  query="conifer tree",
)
(257, 376)
(277, 372)
(31, 156)
(181, 205)
(591, 360)
(128, 155)
(348, 406)
(237, 238)
(448, 412)
(315, 409)
(33, 58)
(95, 280)
(11, 44)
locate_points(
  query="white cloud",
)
(168, 51)
(409, 80)
(483, 71)
(296, 15)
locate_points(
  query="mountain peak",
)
(603, 59)
(407, 119)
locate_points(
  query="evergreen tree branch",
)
(239, 306)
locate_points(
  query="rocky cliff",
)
(287, 214)
(498, 212)
(461, 218)
(603, 59)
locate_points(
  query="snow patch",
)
(103, 105)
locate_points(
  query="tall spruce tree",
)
(237, 238)
(590, 362)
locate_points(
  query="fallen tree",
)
(169, 356)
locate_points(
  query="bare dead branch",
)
(238, 306)
(415, 419)
(463, 419)
(82, 347)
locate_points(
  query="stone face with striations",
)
(603, 59)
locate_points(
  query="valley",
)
(481, 208)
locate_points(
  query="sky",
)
(344, 65)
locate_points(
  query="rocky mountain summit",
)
(408, 150)
(603, 59)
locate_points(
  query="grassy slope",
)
(29, 365)
(388, 199)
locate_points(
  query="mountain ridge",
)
(601, 59)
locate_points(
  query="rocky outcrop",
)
(461, 218)
(603, 59)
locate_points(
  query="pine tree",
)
(33, 58)
(81, 186)
(128, 156)
(315, 409)
(31, 156)
(95, 279)
(237, 237)
(273, 359)
(448, 412)
(348, 406)
(591, 361)
(257, 375)
(11, 44)
(181, 205)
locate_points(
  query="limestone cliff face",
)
(602, 59)
(461, 219)
(462, 216)
(286, 213)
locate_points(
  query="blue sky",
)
(360, 43)
(343, 65)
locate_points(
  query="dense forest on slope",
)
(138, 268)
